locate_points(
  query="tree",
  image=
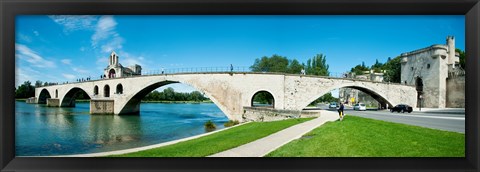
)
(462, 57)
(295, 67)
(359, 69)
(275, 63)
(38, 84)
(26, 90)
(377, 67)
(393, 70)
(325, 98)
(317, 65)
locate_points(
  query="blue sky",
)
(64, 48)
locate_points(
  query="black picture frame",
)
(10, 8)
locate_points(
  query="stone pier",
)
(53, 102)
(101, 106)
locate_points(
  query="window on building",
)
(412, 68)
(428, 66)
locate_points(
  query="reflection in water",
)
(112, 129)
(41, 130)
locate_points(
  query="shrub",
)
(210, 126)
(231, 123)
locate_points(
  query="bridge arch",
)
(132, 105)
(382, 99)
(270, 98)
(44, 94)
(68, 99)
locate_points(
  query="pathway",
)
(263, 146)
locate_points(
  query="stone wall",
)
(456, 92)
(101, 106)
(268, 114)
(53, 102)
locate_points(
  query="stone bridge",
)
(231, 92)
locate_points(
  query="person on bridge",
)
(340, 111)
(231, 68)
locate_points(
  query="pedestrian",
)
(163, 70)
(303, 71)
(231, 68)
(340, 111)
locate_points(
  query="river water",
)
(42, 131)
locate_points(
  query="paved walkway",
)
(263, 146)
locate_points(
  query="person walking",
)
(340, 111)
(231, 67)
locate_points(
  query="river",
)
(44, 131)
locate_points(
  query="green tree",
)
(38, 84)
(359, 69)
(393, 70)
(275, 63)
(377, 67)
(26, 90)
(295, 67)
(317, 65)
(462, 57)
(325, 98)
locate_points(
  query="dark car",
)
(401, 108)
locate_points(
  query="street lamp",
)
(420, 97)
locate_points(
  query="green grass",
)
(362, 137)
(218, 142)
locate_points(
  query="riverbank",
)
(218, 142)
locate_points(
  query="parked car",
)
(333, 105)
(359, 106)
(402, 108)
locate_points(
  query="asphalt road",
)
(441, 121)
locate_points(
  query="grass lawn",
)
(218, 142)
(362, 137)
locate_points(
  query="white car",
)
(359, 106)
(333, 105)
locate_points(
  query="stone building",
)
(351, 96)
(436, 73)
(370, 75)
(116, 70)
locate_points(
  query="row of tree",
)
(169, 94)
(317, 65)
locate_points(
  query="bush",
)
(210, 126)
(231, 123)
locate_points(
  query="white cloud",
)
(82, 49)
(32, 57)
(66, 61)
(115, 44)
(75, 22)
(80, 70)
(69, 76)
(24, 38)
(36, 33)
(104, 29)
(25, 74)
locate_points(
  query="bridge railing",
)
(245, 69)
(197, 70)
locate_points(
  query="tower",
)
(113, 59)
